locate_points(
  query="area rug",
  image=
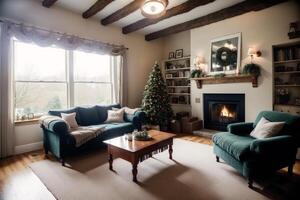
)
(193, 174)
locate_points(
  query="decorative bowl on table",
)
(142, 136)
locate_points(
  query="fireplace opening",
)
(223, 109)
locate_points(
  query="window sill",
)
(26, 122)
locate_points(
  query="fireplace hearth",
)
(223, 109)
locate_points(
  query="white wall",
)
(141, 54)
(259, 29)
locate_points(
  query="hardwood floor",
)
(17, 181)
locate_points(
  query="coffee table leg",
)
(134, 172)
(110, 160)
(170, 151)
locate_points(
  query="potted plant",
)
(251, 69)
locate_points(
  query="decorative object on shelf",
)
(156, 100)
(297, 101)
(171, 55)
(196, 73)
(283, 96)
(252, 69)
(225, 54)
(219, 75)
(179, 53)
(279, 68)
(30, 115)
(182, 100)
(294, 32)
(169, 75)
(154, 8)
(174, 100)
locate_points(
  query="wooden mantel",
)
(226, 79)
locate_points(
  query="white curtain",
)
(6, 95)
(119, 79)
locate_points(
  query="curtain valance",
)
(44, 37)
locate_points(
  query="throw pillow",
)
(115, 116)
(129, 111)
(70, 119)
(265, 129)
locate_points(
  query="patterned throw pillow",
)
(266, 129)
(115, 116)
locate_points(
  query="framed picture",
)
(171, 55)
(225, 54)
(179, 53)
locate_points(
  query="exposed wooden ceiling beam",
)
(226, 13)
(123, 12)
(48, 3)
(177, 10)
(97, 7)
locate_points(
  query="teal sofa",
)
(61, 143)
(256, 157)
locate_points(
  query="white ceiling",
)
(82, 5)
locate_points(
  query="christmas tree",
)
(156, 102)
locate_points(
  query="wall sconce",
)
(252, 51)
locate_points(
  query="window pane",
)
(92, 93)
(39, 97)
(91, 67)
(34, 63)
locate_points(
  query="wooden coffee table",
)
(137, 151)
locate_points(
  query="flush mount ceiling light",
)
(154, 8)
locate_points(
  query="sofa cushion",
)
(89, 116)
(102, 111)
(68, 111)
(235, 145)
(117, 129)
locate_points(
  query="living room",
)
(171, 73)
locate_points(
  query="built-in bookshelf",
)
(286, 77)
(177, 75)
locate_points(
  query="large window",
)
(52, 78)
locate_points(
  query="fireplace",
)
(223, 109)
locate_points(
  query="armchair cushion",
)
(274, 146)
(235, 145)
(240, 128)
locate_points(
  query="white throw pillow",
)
(70, 119)
(115, 116)
(127, 110)
(265, 129)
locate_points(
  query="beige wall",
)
(259, 29)
(141, 54)
(180, 40)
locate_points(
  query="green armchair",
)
(255, 157)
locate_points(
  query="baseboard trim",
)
(28, 147)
